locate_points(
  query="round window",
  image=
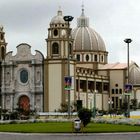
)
(24, 76)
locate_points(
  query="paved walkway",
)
(73, 136)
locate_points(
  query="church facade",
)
(35, 82)
(22, 80)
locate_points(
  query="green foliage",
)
(103, 112)
(14, 115)
(124, 107)
(85, 115)
(64, 107)
(134, 103)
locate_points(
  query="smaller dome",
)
(58, 18)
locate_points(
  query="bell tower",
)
(3, 44)
(58, 38)
(59, 57)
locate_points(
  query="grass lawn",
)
(65, 127)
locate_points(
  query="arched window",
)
(78, 57)
(87, 57)
(112, 91)
(2, 52)
(70, 49)
(120, 91)
(95, 58)
(55, 32)
(55, 48)
(116, 91)
(2, 37)
(102, 58)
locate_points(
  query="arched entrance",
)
(24, 103)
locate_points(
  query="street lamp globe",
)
(68, 18)
(128, 40)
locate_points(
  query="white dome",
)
(86, 38)
(58, 18)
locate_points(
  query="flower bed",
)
(127, 121)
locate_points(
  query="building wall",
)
(105, 101)
(117, 81)
(55, 86)
(137, 95)
(117, 77)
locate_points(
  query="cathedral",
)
(76, 57)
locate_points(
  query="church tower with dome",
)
(90, 53)
(57, 63)
(88, 46)
(87, 54)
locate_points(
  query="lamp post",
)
(94, 102)
(128, 41)
(68, 19)
(120, 102)
(110, 102)
(0, 112)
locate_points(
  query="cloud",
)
(28, 21)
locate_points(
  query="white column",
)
(3, 79)
(3, 101)
(32, 83)
(12, 102)
(3, 86)
(41, 102)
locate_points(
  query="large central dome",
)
(86, 38)
(88, 46)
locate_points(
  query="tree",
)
(125, 107)
(85, 116)
(134, 103)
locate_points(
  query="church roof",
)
(134, 74)
(116, 65)
(134, 70)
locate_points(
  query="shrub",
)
(85, 116)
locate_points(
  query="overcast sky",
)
(27, 21)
